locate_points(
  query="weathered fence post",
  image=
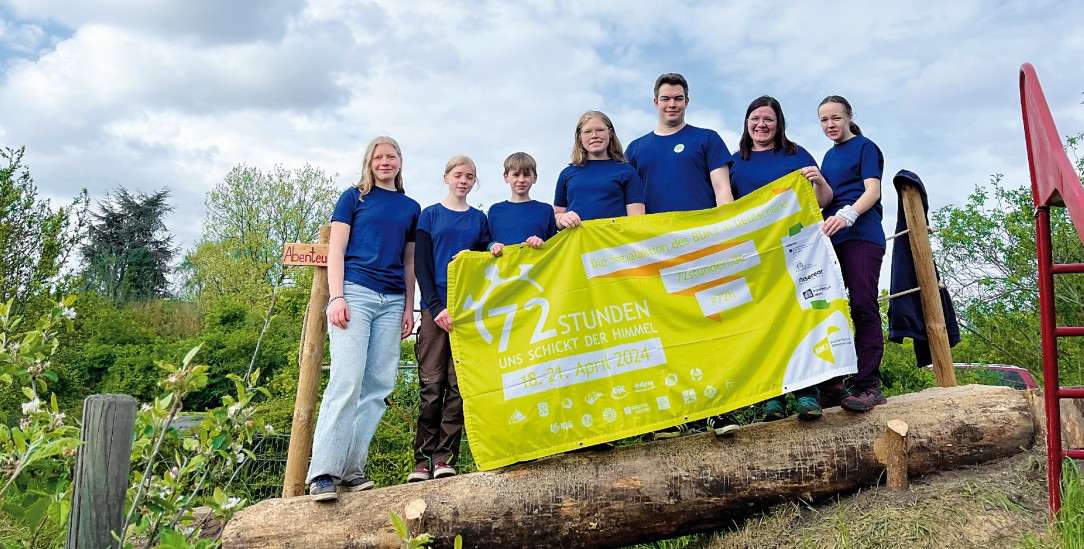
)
(308, 382)
(930, 292)
(101, 471)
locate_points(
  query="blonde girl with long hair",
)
(371, 283)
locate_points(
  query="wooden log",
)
(929, 291)
(649, 491)
(1072, 419)
(308, 381)
(101, 471)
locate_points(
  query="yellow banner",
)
(629, 325)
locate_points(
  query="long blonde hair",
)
(579, 154)
(368, 179)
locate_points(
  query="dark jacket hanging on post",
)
(905, 312)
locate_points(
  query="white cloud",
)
(21, 38)
(208, 21)
(148, 95)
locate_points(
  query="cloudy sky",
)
(172, 94)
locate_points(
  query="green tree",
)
(128, 251)
(986, 253)
(35, 239)
(250, 215)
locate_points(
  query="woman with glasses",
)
(599, 182)
(764, 155)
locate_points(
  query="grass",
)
(1069, 523)
(674, 543)
(11, 534)
(1001, 504)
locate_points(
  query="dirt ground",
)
(998, 504)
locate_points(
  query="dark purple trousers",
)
(860, 261)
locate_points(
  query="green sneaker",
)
(775, 410)
(809, 408)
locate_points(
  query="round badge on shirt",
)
(679, 147)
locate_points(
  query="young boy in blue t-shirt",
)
(520, 219)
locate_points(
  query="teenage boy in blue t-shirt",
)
(683, 167)
(520, 219)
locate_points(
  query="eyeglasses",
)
(602, 131)
(767, 120)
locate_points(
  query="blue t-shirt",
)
(598, 189)
(763, 167)
(676, 168)
(515, 222)
(845, 167)
(451, 233)
(380, 227)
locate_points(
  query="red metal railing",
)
(1054, 182)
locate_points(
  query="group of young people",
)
(382, 243)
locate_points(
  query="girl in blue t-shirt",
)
(444, 229)
(853, 168)
(764, 155)
(370, 276)
(599, 182)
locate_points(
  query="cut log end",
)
(895, 455)
(414, 509)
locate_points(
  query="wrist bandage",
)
(847, 214)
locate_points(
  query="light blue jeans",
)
(364, 362)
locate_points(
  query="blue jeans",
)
(364, 362)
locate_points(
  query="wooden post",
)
(896, 455)
(308, 382)
(101, 471)
(930, 292)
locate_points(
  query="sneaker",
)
(355, 484)
(775, 409)
(833, 393)
(808, 408)
(864, 400)
(419, 474)
(679, 430)
(723, 423)
(443, 470)
(322, 488)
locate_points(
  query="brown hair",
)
(846, 107)
(674, 79)
(745, 146)
(520, 162)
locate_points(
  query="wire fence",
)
(261, 477)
